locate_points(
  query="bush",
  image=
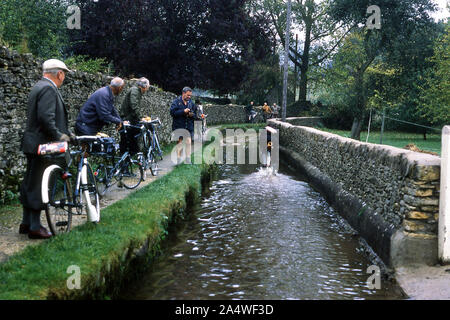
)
(89, 65)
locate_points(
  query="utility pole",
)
(296, 72)
(382, 125)
(286, 59)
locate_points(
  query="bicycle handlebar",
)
(154, 121)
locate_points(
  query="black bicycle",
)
(124, 170)
(151, 149)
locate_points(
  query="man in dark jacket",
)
(47, 121)
(131, 111)
(250, 112)
(184, 113)
(99, 110)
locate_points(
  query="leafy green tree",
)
(208, 44)
(262, 78)
(354, 78)
(435, 94)
(37, 26)
(399, 20)
(320, 34)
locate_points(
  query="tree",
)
(37, 26)
(435, 94)
(399, 19)
(353, 78)
(263, 78)
(321, 34)
(200, 43)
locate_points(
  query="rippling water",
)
(259, 235)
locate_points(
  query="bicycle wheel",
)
(141, 159)
(152, 164)
(58, 210)
(158, 147)
(93, 196)
(101, 177)
(131, 173)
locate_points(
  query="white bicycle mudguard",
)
(44, 186)
(92, 212)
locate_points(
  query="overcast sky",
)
(443, 13)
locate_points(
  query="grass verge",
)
(397, 139)
(104, 253)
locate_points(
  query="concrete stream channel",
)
(255, 234)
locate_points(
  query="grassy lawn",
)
(397, 139)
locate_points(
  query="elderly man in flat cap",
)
(47, 121)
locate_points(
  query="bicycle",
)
(151, 147)
(124, 170)
(60, 195)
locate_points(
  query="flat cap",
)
(55, 64)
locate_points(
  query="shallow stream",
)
(260, 235)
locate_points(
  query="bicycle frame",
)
(114, 170)
(151, 144)
(80, 189)
(155, 143)
(82, 185)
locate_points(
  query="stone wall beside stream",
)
(390, 195)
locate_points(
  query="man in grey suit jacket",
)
(47, 121)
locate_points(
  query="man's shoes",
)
(24, 228)
(42, 233)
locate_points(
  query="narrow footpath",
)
(12, 242)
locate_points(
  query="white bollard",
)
(444, 199)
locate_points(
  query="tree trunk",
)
(305, 63)
(356, 128)
(303, 85)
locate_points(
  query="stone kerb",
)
(305, 121)
(400, 186)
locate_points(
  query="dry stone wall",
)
(399, 186)
(18, 74)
